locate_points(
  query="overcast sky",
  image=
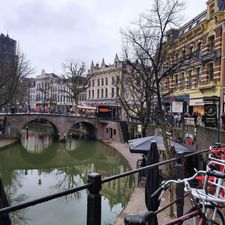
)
(51, 31)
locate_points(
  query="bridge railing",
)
(93, 186)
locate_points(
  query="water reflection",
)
(39, 167)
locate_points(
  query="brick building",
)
(203, 38)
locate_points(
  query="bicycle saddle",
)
(138, 219)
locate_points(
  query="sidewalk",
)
(136, 204)
(5, 142)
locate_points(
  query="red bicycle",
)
(201, 212)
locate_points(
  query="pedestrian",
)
(195, 116)
(203, 120)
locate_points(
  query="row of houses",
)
(200, 84)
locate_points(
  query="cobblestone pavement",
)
(136, 204)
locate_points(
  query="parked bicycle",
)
(202, 211)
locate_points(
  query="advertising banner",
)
(210, 115)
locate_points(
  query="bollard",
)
(180, 187)
(94, 199)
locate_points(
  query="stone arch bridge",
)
(95, 127)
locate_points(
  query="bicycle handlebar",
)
(164, 185)
(215, 174)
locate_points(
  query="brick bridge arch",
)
(60, 123)
(96, 127)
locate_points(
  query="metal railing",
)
(94, 186)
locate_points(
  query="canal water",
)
(38, 167)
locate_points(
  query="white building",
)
(103, 80)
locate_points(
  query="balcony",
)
(210, 56)
(207, 86)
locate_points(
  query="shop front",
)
(175, 104)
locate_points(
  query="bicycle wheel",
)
(214, 215)
(217, 219)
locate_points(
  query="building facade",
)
(50, 93)
(103, 88)
(202, 81)
(7, 47)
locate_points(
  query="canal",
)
(39, 166)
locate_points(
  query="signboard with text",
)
(177, 107)
(210, 115)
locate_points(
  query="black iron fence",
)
(93, 186)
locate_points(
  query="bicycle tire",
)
(219, 215)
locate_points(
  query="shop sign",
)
(177, 107)
(210, 115)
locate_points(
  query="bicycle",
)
(201, 212)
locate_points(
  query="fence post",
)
(180, 187)
(94, 199)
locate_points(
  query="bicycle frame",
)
(197, 212)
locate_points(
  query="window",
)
(199, 49)
(176, 57)
(182, 80)
(176, 80)
(189, 83)
(183, 53)
(112, 92)
(93, 94)
(191, 51)
(98, 93)
(102, 93)
(102, 81)
(198, 75)
(98, 82)
(211, 71)
(93, 83)
(106, 93)
(211, 42)
(117, 92)
(89, 94)
(106, 81)
(114, 131)
(113, 80)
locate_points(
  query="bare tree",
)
(147, 49)
(12, 73)
(75, 80)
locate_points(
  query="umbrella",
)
(152, 181)
(142, 145)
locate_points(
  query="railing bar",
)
(41, 200)
(149, 166)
